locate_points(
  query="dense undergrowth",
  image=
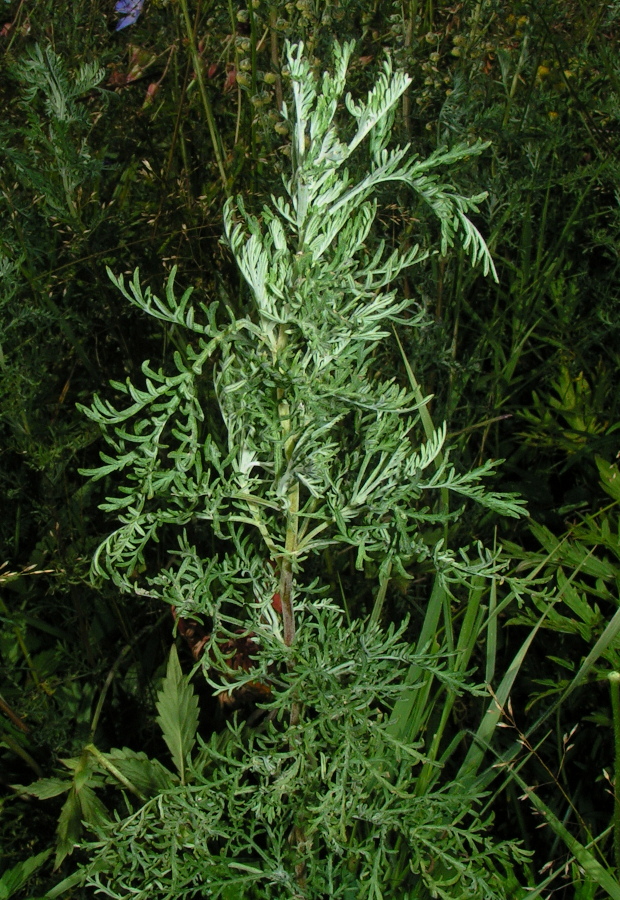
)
(120, 149)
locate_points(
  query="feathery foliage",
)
(312, 450)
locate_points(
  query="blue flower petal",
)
(130, 10)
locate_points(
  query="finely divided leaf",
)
(177, 706)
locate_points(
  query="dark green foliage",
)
(280, 480)
(108, 160)
(326, 807)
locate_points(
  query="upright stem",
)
(409, 26)
(275, 55)
(291, 539)
(191, 40)
(614, 688)
(292, 515)
(380, 598)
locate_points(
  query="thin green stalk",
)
(409, 24)
(380, 598)
(515, 80)
(254, 89)
(291, 541)
(215, 139)
(594, 871)
(425, 416)
(491, 644)
(292, 517)
(106, 764)
(275, 55)
(286, 570)
(614, 689)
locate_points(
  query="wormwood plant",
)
(273, 442)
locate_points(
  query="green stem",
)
(292, 516)
(191, 40)
(291, 541)
(614, 689)
(515, 80)
(380, 598)
(275, 55)
(290, 546)
(254, 89)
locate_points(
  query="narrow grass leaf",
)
(607, 638)
(477, 751)
(590, 865)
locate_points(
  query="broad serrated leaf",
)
(177, 706)
(82, 806)
(44, 788)
(69, 827)
(147, 775)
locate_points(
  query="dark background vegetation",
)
(121, 171)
